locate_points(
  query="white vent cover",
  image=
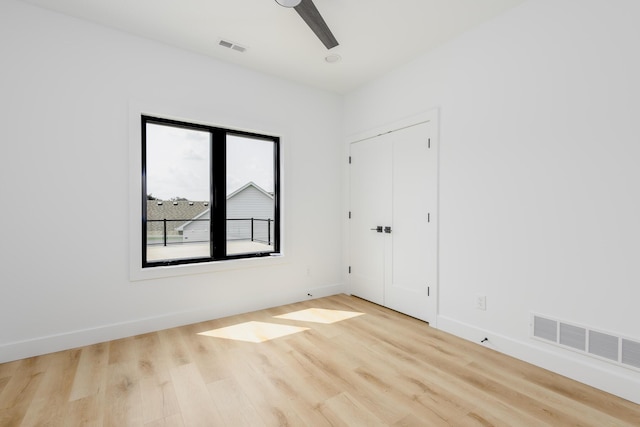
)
(631, 353)
(573, 336)
(603, 345)
(232, 45)
(545, 328)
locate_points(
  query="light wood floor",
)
(375, 368)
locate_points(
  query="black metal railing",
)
(177, 231)
(256, 235)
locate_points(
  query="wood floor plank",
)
(7, 369)
(87, 411)
(48, 405)
(202, 352)
(174, 347)
(228, 396)
(409, 383)
(17, 397)
(302, 398)
(441, 383)
(377, 367)
(583, 398)
(481, 383)
(91, 374)
(545, 398)
(196, 406)
(159, 400)
(123, 398)
(151, 358)
(172, 421)
(273, 408)
(3, 383)
(20, 390)
(323, 384)
(345, 410)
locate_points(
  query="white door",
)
(371, 191)
(414, 237)
(394, 184)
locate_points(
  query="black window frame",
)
(217, 193)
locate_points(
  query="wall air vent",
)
(631, 353)
(573, 336)
(603, 345)
(546, 329)
(583, 339)
(231, 45)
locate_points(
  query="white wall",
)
(66, 86)
(539, 206)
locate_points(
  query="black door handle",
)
(378, 229)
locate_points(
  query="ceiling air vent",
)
(231, 45)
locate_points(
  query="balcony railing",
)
(179, 231)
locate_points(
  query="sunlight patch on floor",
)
(319, 315)
(255, 332)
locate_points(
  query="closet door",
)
(371, 190)
(394, 186)
(414, 239)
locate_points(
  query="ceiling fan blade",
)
(308, 11)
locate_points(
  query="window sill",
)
(159, 272)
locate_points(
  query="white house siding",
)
(198, 229)
(248, 203)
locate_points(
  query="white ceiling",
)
(374, 35)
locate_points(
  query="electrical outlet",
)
(481, 302)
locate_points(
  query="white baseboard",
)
(83, 337)
(621, 382)
(325, 291)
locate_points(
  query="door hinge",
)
(429, 143)
(349, 269)
(349, 159)
(428, 288)
(349, 214)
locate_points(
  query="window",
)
(208, 193)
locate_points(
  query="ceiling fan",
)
(309, 13)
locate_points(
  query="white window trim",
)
(182, 113)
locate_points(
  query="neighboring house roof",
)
(167, 209)
(247, 185)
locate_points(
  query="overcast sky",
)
(178, 163)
